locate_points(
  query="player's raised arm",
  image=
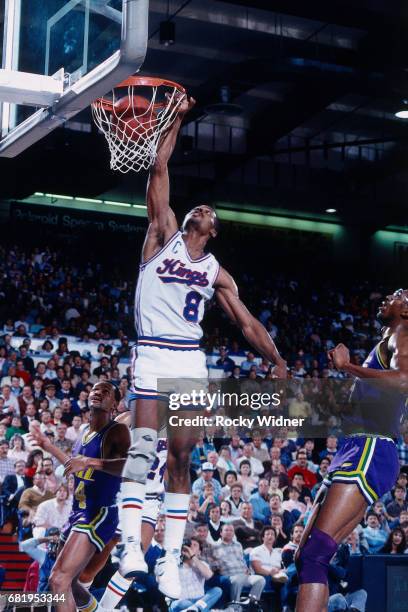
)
(397, 374)
(163, 223)
(227, 296)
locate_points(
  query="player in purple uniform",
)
(97, 463)
(366, 465)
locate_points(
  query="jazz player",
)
(97, 464)
(366, 465)
(118, 585)
(176, 278)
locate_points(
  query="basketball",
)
(133, 117)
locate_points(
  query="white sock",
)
(132, 500)
(176, 509)
(117, 588)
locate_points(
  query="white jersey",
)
(171, 292)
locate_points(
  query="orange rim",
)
(146, 81)
(139, 81)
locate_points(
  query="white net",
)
(132, 125)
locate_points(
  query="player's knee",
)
(60, 581)
(314, 557)
(178, 462)
(141, 454)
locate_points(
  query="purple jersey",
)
(94, 489)
(377, 407)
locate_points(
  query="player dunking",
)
(176, 278)
(366, 465)
(97, 464)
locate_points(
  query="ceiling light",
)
(331, 211)
(402, 112)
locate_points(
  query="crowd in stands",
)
(252, 491)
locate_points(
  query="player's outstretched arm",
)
(226, 292)
(163, 223)
(115, 450)
(44, 442)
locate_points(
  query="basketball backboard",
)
(58, 56)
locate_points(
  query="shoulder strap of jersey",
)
(165, 245)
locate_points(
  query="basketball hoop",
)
(134, 116)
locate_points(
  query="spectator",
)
(37, 391)
(212, 457)
(235, 447)
(45, 557)
(396, 543)
(277, 523)
(379, 510)
(52, 512)
(26, 397)
(29, 416)
(46, 422)
(17, 448)
(289, 549)
(226, 512)
(46, 466)
(61, 441)
(33, 496)
(155, 549)
(299, 482)
(206, 476)
(248, 454)
(12, 489)
(193, 573)
(6, 464)
(353, 543)
(214, 524)
(15, 428)
(274, 487)
(208, 498)
(300, 467)
(225, 463)
(224, 361)
(394, 508)
(373, 533)
(207, 552)
(293, 502)
(51, 397)
(298, 407)
(22, 373)
(247, 530)
(66, 390)
(331, 448)
(33, 461)
(275, 507)
(10, 400)
(355, 602)
(236, 499)
(248, 363)
(247, 481)
(230, 557)
(230, 479)
(260, 450)
(266, 560)
(323, 469)
(260, 501)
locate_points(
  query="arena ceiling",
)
(313, 88)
